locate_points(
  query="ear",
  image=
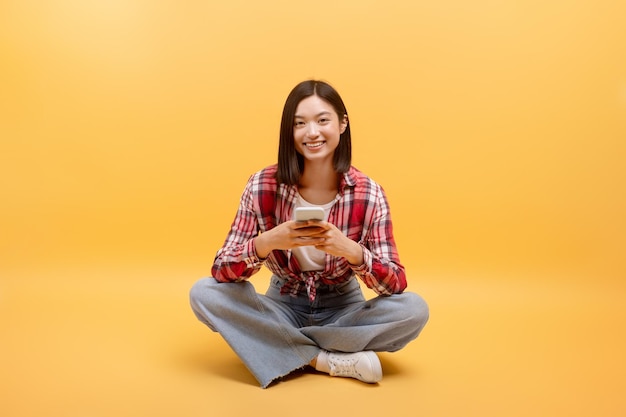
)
(343, 124)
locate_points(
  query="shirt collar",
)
(348, 179)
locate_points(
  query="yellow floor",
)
(121, 341)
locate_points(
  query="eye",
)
(299, 123)
(324, 120)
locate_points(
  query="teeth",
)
(314, 145)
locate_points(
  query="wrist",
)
(356, 257)
(261, 246)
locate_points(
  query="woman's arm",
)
(381, 269)
(237, 259)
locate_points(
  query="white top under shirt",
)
(309, 258)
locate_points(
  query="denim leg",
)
(260, 331)
(382, 324)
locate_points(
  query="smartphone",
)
(309, 213)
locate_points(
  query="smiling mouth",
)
(314, 145)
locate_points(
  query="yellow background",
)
(127, 132)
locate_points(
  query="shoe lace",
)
(343, 366)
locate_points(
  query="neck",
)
(318, 184)
(319, 176)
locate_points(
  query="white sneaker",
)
(364, 366)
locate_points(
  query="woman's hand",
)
(323, 235)
(337, 244)
(289, 235)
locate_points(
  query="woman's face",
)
(316, 129)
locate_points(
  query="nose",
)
(312, 130)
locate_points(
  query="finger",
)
(313, 241)
(310, 223)
(311, 231)
(323, 246)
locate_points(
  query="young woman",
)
(314, 312)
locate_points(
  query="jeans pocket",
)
(346, 287)
(277, 282)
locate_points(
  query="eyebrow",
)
(317, 115)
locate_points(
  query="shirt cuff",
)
(249, 255)
(366, 266)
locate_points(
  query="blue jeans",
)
(275, 334)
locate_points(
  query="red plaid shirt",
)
(360, 211)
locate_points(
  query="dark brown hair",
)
(290, 162)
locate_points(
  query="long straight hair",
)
(290, 162)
